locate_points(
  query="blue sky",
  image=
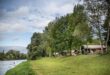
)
(20, 18)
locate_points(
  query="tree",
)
(64, 33)
(95, 14)
(107, 23)
(97, 10)
(33, 47)
(14, 55)
(78, 29)
(2, 55)
(61, 35)
(48, 41)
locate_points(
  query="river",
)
(6, 65)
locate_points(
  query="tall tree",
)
(94, 10)
(64, 33)
(97, 10)
(107, 23)
(33, 51)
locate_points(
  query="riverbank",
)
(9, 64)
(74, 65)
(21, 69)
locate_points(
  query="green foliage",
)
(99, 18)
(96, 10)
(2, 55)
(34, 49)
(64, 33)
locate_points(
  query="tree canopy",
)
(88, 24)
(64, 33)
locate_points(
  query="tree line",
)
(12, 55)
(71, 31)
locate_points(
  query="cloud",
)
(22, 11)
(5, 27)
(14, 38)
(18, 12)
(28, 17)
(21, 20)
(54, 9)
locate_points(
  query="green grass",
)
(74, 65)
(22, 69)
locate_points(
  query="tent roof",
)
(93, 46)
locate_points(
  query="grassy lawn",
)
(74, 65)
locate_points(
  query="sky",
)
(19, 19)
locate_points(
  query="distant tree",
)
(2, 55)
(14, 55)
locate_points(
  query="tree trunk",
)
(99, 31)
(87, 48)
(101, 42)
(108, 24)
(70, 50)
(70, 45)
(108, 34)
(100, 36)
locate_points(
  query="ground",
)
(73, 65)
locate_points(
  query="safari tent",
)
(91, 49)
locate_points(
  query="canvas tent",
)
(85, 49)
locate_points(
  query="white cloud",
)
(24, 20)
(54, 8)
(21, 11)
(30, 17)
(12, 27)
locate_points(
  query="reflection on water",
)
(6, 65)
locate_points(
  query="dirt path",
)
(35, 69)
